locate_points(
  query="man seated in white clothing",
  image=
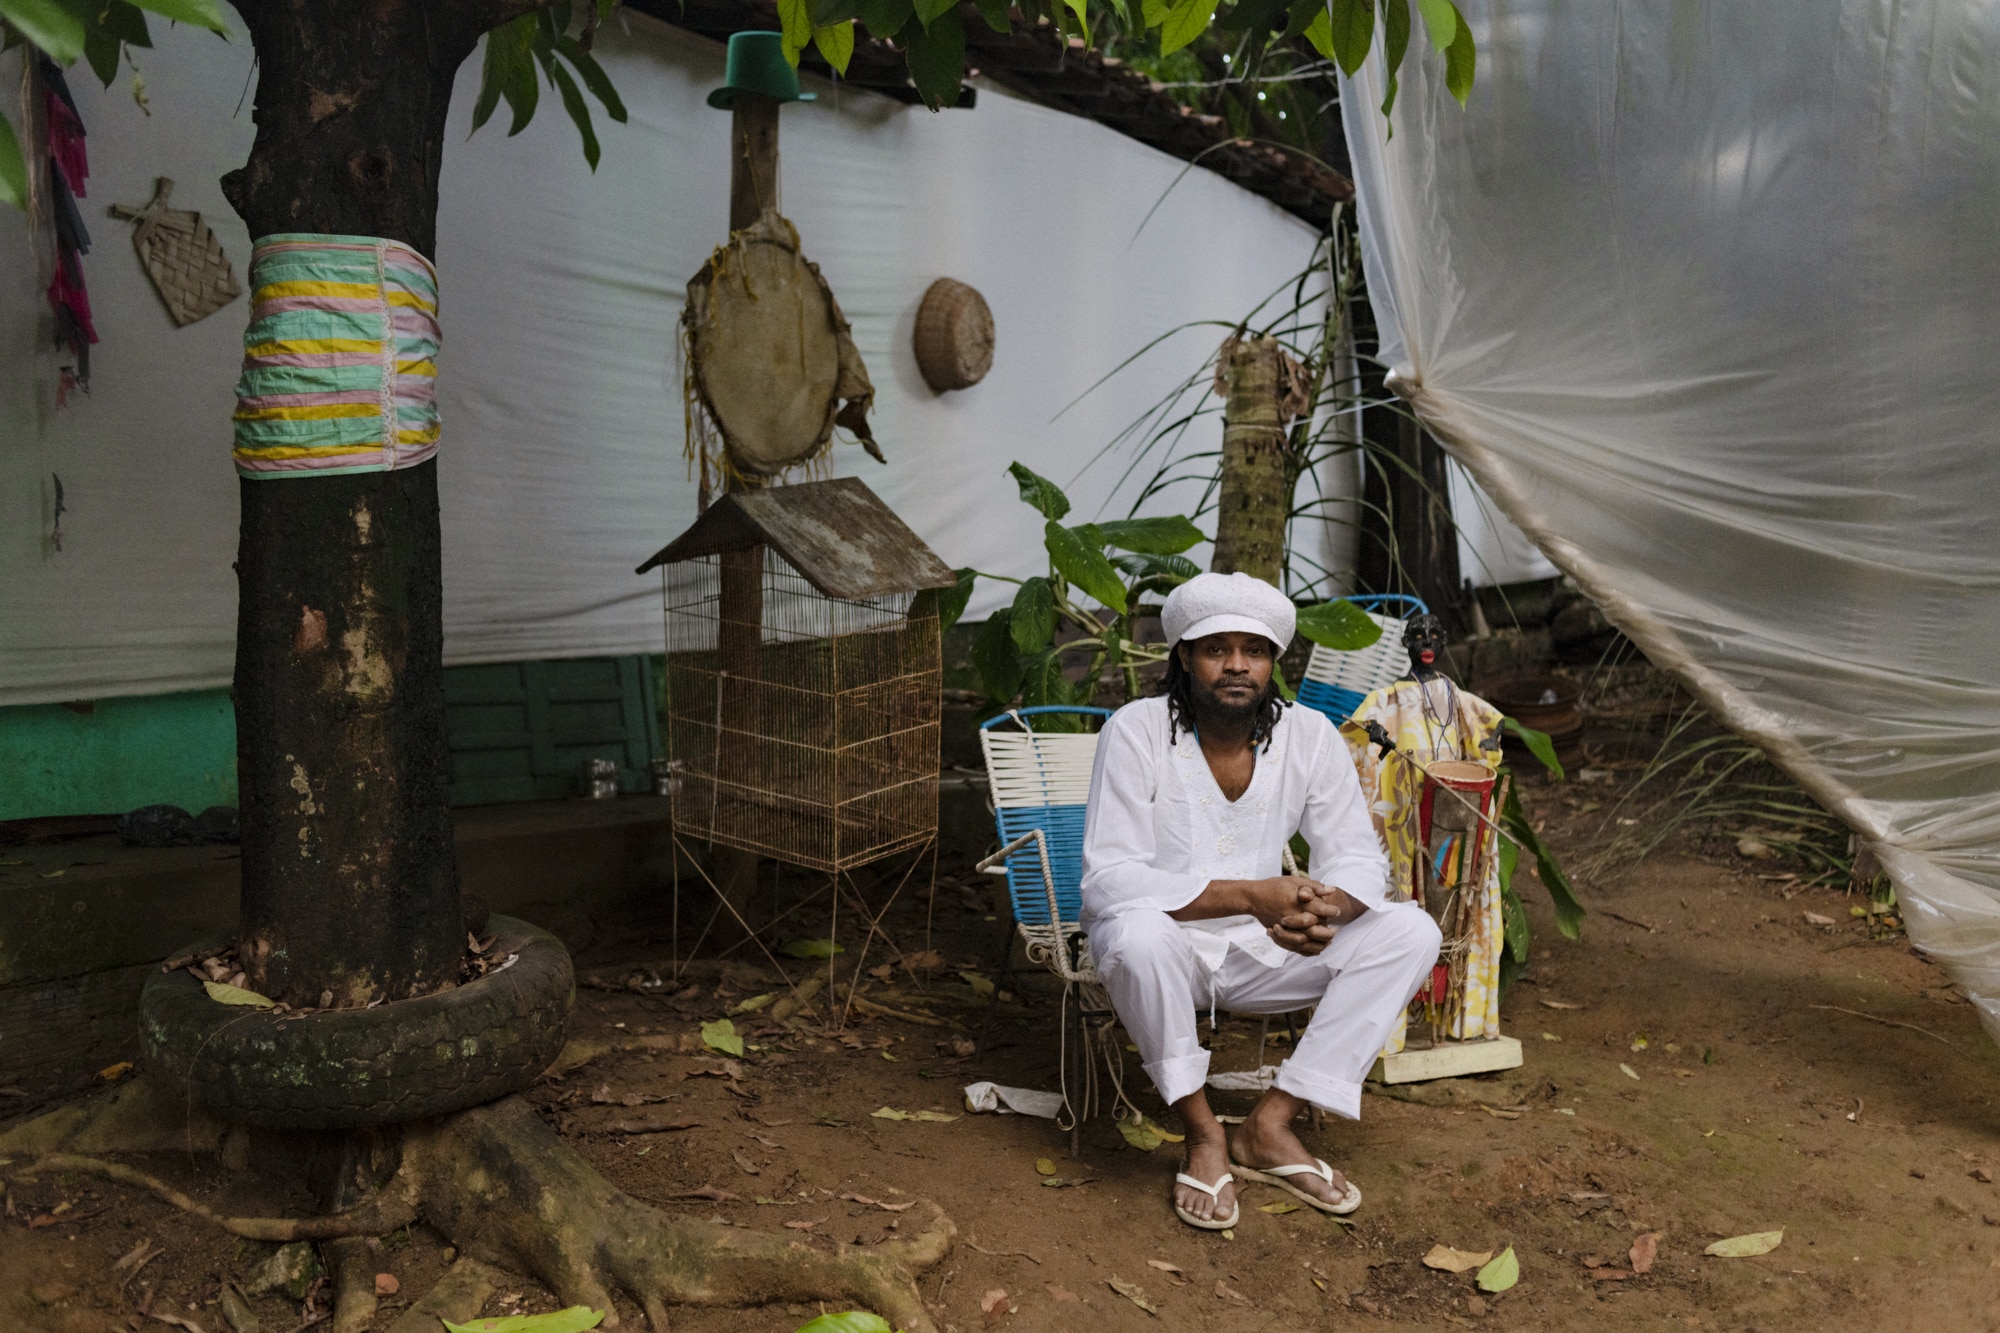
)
(1195, 794)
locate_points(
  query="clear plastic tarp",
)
(1704, 296)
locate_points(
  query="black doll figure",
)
(1424, 639)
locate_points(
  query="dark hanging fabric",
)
(69, 170)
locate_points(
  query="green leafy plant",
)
(1084, 609)
(98, 31)
(541, 42)
(1519, 834)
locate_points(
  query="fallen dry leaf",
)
(1610, 1274)
(1644, 1250)
(1628, 1071)
(1559, 1004)
(804, 1226)
(712, 1193)
(1448, 1260)
(995, 1303)
(877, 1203)
(386, 1284)
(112, 1073)
(1044, 1167)
(1134, 1293)
(750, 1168)
(1747, 1246)
(1229, 1293)
(1981, 1174)
(1164, 1266)
(1815, 919)
(1279, 1208)
(1059, 1293)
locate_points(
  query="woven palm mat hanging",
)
(771, 364)
(182, 256)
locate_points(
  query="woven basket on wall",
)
(954, 337)
(182, 256)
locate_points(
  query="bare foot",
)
(1207, 1161)
(1265, 1139)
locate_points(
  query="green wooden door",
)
(520, 731)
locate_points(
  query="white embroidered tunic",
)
(1158, 828)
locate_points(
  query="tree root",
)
(500, 1185)
(373, 1217)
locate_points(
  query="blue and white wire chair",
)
(1039, 782)
(1335, 682)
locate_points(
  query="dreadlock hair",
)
(1178, 687)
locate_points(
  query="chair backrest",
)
(1041, 780)
(1337, 682)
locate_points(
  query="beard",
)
(1221, 713)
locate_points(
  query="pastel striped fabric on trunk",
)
(338, 363)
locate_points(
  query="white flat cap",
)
(1217, 603)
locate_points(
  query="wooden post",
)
(753, 190)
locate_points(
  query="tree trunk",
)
(1256, 500)
(350, 883)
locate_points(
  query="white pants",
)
(1360, 983)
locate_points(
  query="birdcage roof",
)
(837, 533)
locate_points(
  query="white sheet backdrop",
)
(561, 463)
(1703, 294)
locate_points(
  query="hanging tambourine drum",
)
(954, 337)
(769, 352)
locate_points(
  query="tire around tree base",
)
(345, 1068)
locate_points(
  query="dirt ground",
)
(1705, 1063)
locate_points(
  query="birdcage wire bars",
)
(803, 727)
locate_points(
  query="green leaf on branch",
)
(51, 27)
(1081, 8)
(1185, 21)
(1395, 33)
(199, 13)
(1040, 492)
(884, 18)
(1339, 625)
(936, 56)
(1569, 912)
(1084, 565)
(1539, 745)
(573, 104)
(795, 22)
(999, 662)
(1440, 21)
(928, 10)
(995, 14)
(1459, 61)
(1151, 536)
(951, 601)
(13, 168)
(1034, 619)
(594, 77)
(1320, 33)
(836, 44)
(1154, 12)
(1352, 26)
(851, 1321)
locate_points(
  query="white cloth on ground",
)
(1360, 983)
(1158, 829)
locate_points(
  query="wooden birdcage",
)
(804, 676)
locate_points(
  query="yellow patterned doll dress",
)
(1430, 721)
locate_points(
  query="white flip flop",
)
(1214, 1192)
(1279, 1176)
